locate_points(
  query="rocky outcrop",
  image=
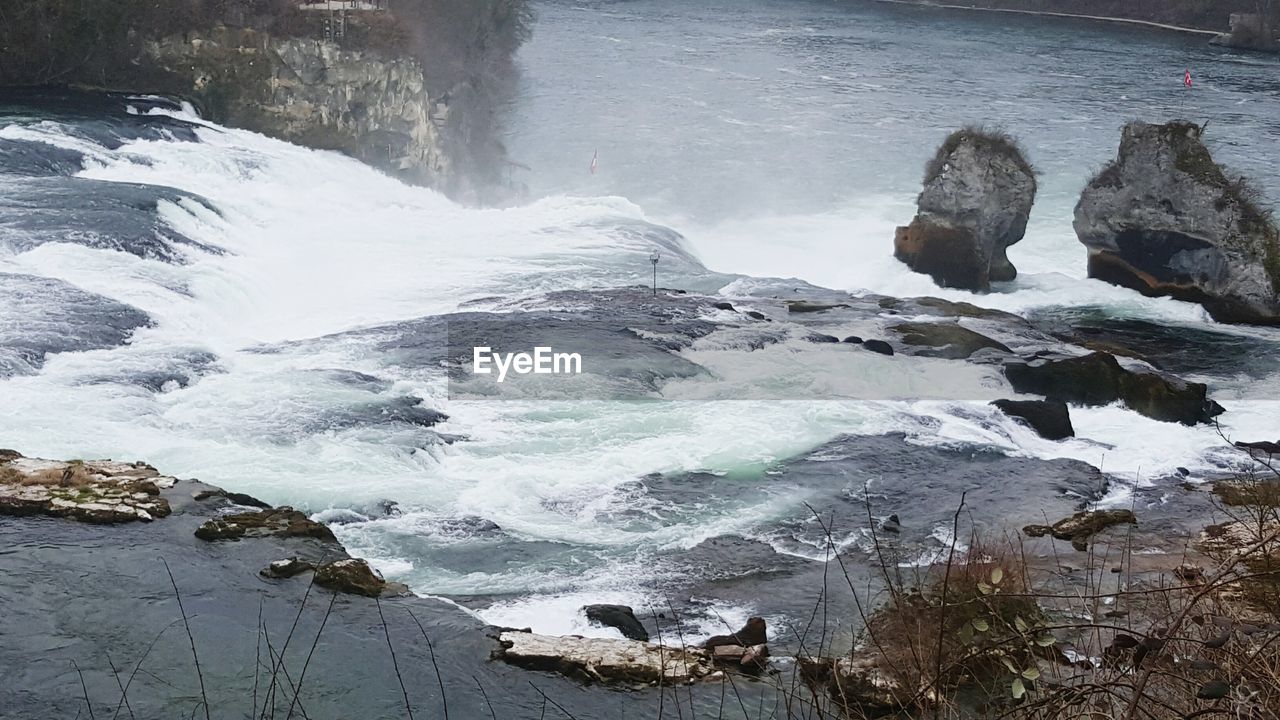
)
(95, 491)
(1099, 379)
(1049, 418)
(313, 93)
(604, 660)
(619, 617)
(1082, 526)
(978, 192)
(1166, 220)
(277, 522)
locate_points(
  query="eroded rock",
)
(604, 660)
(978, 192)
(1166, 220)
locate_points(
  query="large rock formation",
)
(1099, 379)
(313, 93)
(1166, 220)
(977, 195)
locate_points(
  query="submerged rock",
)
(604, 660)
(1082, 526)
(978, 192)
(1166, 220)
(1049, 418)
(946, 340)
(619, 617)
(95, 491)
(1099, 379)
(278, 522)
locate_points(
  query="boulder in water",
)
(1099, 379)
(1049, 418)
(978, 192)
(619, 617)
(753, 633)
(1166, 220)
(878, 346)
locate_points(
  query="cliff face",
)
(317, 94)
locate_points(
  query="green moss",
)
(986, 140)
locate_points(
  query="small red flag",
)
(595, 160)
(1186, 78)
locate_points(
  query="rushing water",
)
(780, 138)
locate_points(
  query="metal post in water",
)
(654, 257)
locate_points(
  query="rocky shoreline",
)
(96, 604)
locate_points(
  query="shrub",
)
(986, 140)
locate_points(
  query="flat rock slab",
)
(96, 491)
(604, 660)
